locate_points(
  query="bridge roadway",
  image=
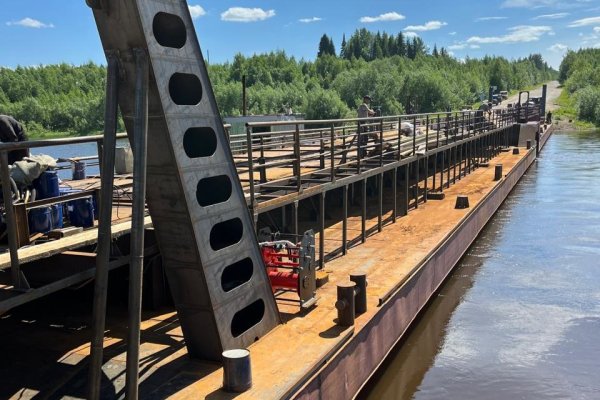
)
(285, 358)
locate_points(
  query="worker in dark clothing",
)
(549, 117)
(12, 131)
(364, 111)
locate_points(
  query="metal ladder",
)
(204, 229)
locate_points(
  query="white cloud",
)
(241, 14)
(522, 33)
(196, 11)
(558, 48)
(597, 29)
(30, 23)
(491, 18)
(529, 3)
(551, 16)
(452, 33)
(309, 20)
(428, 26)
(585, 22)
(475, 46)
(391, 16)
(410, 34)
(458, 46)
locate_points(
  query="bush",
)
(588, 100)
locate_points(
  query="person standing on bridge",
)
(364, 111)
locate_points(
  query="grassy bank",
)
(568, 112)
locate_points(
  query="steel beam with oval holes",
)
(198, 208)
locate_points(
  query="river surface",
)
(519, 318)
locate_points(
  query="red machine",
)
(291, 267)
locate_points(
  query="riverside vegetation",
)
(401, 74)
(579, 73)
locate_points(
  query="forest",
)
(579, 73)
(401, 74)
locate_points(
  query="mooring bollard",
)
(462, 202)
(515, 151)
(237, 371)
(528, 144)
(498, 172)
(345, 303)
(360, 299)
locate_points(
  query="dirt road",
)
(551, 96)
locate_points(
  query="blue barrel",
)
(56, 213)
(78, 170)
(47, 185)
(81, 212)
(40, 220)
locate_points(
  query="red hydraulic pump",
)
(291, 267)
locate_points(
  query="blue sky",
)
(34, 32)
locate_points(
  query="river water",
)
(519, 318)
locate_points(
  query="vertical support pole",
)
(406, 187)
(18, 280)
(395, 194)
(417, 165)
(136, 264)
(322, 231)
(244, 103)
(345, 220)
(543, 103)
(363, 230)
(295, 219)
(332, 154)
(358, 146)
(100, 155)
(399, 138)
(380, 210)
(298, 168)
(104, 227)
(449, 167)
(250, 165)
(426, 158)
(381, 143)
(321, 149)
(443, 156)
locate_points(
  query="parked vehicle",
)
(504, 94)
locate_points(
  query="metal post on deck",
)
(543, 103)
(136, 264)
(104, 226)
(250, 164)
(345, 220)
(18, 280)
(322, 231)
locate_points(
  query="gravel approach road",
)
(552, 94)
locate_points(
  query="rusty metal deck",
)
(288, 356)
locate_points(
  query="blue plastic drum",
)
(78, 170)
(81, 212)
(46, 185)
(40, 220)
(56, 214)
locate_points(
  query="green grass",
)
(568, 111)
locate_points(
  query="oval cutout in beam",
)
(247, 317)
(225, 234)
(200, 142)
(237, 274)
(185, 89)
(169, 30)
(213, 190)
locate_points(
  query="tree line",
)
(401, 74)
(579, 73)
